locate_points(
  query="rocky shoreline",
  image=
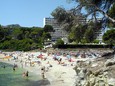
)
(99, 72)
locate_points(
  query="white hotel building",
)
(59, 32)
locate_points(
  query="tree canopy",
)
(59, 42)
(109, 37)
(67, 18)
(22, 38)
(100, 14)
(93, 7)
(48, 28)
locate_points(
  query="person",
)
(43, 69)
(26, 74)
(43, 75)
(13, 68)
(48, 62)
(43, 72)
(4, 66)
(60, 60)
(23, 74)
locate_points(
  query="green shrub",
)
(96, 41)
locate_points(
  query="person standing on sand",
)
(43, 75)
(43, 72)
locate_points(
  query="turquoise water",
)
(8, 77)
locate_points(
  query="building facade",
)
(58, 31)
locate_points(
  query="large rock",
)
(77, 70)
(109, 62)
(89, 72)
(92, 81)
(111, 82)
(82, 73)
(98, 72)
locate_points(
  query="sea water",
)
(8, 77)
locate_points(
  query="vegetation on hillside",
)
(23, 38)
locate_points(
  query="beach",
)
(57, 74)
(66, 67)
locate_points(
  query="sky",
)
(28, 13)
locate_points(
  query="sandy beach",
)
(66, 68)
(58, 74)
